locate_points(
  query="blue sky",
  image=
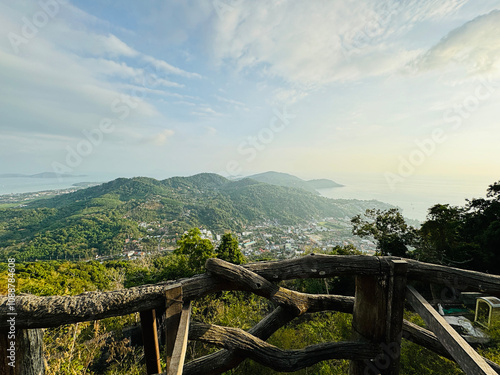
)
(400, 89)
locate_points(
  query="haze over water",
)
(414, 197)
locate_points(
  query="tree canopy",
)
(466, 237)
(388, 228)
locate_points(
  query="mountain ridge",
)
(288, 180)
(99, 219)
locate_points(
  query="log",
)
(468, 359)
(273, 357)
(225, 360)
(176, 364)
(395, 311)
(29, 359)
(319, 266)
(173, 311)
(248, 280)
(369, 317)
(378, 318)
(429, 340)
(53, 311)
(454, 278)
(150, 340)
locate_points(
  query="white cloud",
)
(169, 69)
(475, 45)
(90, 43)
(205, 111)
(311, 44)
(162, 138)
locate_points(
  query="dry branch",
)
(224, 360)
(276, 358)
(248, 280)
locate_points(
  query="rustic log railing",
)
(377, 308)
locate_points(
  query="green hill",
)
(101, 219)
(323, 183)
(288, 180)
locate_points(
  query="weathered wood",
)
(468, 359)
(429, 340)
(173, 309)
(396, 292)
(249, 280)
(179, 353)
(52, 311)
(369, 318)
(273, 357)
(318, 266)
(28, 356)
(454, 278)
(225, 360)
(150, 339)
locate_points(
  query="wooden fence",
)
(377, 308)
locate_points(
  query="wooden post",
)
(378, 318)
(179, 353)
(468, 359)
(150, 339)
(28, 358)
(172, 319)
(395, 314)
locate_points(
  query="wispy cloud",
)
(205, 111)
(311, 44)
(474, 45)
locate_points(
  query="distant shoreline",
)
(40, 175)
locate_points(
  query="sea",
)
(14, 185)
(414, 196)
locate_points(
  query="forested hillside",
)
(98, 220)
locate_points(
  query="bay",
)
(415, 196)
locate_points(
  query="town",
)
(268, 240)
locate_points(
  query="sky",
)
(319, 88)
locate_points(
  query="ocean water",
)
(415, 196)
(27, 185)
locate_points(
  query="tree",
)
(229, 249)
(482, 228)
(466, 236)
(196, 249)
(440, 235)
(388, 228)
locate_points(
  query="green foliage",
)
(466, 236)
(229, 249)
(97, 220)
(440, 239)
(388, 228)
(196, 250)
(418, 360)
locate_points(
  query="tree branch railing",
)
(260, 278)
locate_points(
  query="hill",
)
(101, 219)
(288, 180)
(323, 183)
